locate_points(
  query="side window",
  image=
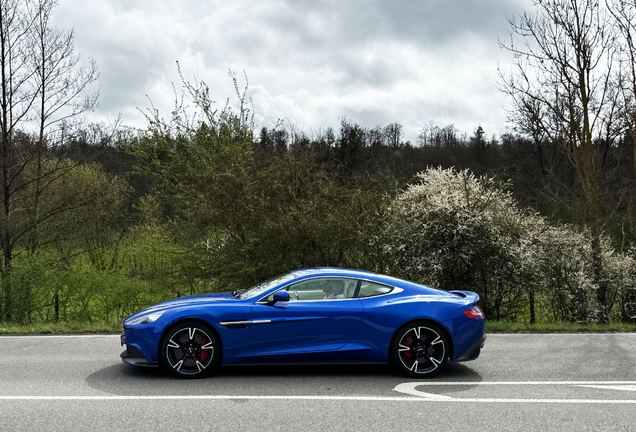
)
(306, 290)
(370, 289)
(321, 289)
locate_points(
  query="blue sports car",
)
(321, 315)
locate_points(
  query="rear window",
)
(372, 289)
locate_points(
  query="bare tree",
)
(16, 99)
(623, 13)
(62, 81)
(42, 82)
(393, 133)
(561, 83)
(429, 136)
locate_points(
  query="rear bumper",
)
(473, 352)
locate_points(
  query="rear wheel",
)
(420, 350)
(190, 350)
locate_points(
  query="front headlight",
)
(145, 319)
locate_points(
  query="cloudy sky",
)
(309, 62)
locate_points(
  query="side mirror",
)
(280, 296)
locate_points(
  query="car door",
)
(314, 319)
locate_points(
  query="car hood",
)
(185, 301)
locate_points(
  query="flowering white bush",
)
(565, 263)
(620, 273)
(453, 230)
(566, 274)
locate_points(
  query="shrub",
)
(453, 230)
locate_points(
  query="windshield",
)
(261, 288)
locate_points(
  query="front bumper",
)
(132, 355)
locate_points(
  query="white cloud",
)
(310, 61)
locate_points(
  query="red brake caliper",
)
(204, 353)
(407, 354)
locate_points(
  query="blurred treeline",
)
(205, 201)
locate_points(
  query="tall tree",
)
(16, 99)
(623, 13)
(350, 145)
(41, 79)
(562, 83)
(62, 81)
(393, 134)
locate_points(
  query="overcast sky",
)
(309, 62)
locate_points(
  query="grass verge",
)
(557, 327)
(60, 328)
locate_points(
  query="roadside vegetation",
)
(557, 327)
(60, 328)
(99, 221)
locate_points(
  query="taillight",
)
(474, 313)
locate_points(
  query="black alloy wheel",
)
(420, 350)
(190, 350)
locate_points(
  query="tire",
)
(190, 350)
(420, 350)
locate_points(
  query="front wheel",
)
(420, 350)
(189, 350)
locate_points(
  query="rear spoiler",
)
(470, 296)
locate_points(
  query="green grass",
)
(556, 327)
(60, 328)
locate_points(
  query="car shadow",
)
(319, 370)
(452, 371)
(125, 380)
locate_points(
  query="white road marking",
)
(217, 397)
(508, 383)
(410, 389)
(612, 387)
(311, 398)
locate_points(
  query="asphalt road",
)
(520, 383)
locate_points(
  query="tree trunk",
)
(533, 319)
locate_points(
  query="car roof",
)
(362, 274)
(325, 271)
